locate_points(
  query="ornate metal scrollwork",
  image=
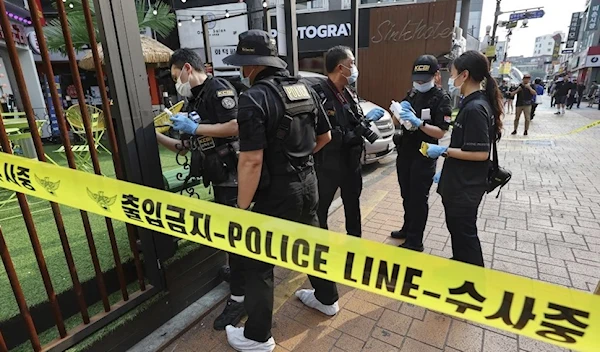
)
(189, 182)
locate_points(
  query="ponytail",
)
(494, 96)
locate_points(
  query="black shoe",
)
(412, 248)
(232, 314)
(557, 113)
(399, 235)
(225, 273)
(525, 133)
(514, 132)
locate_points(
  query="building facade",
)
(544, 44)
(475, 11)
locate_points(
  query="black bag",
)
(497, 176)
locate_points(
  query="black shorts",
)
(560, 99)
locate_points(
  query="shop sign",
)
(221, 33)
(319, 31)
(573, 30)
(33, 43)
(593, 14)
(556, 52)
(592, 61)
(388, 31)
(221, 52)
(18, 34)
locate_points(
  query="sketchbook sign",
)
(389, 31)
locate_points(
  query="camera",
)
(367, 132)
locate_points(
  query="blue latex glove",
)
(375, 114)
(183, 124)
(434, 151)
(436, 177)
(406, 105)
(409, 116)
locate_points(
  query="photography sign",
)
(573, 30)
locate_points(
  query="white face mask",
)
(425, 87)
(184, 89)
(245, 80)
(353, 74)
(452, 86)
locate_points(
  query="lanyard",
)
(340, 97)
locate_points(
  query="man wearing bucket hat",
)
(281, 125)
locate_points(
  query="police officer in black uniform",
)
(281, 125)
(338, 163)
(213, 142)
(428, 123)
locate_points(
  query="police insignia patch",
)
(296, 92)
(228, 103)
(225, 93)
(447, 119)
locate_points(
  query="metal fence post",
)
(128, 81)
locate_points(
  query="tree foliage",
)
(162, 23)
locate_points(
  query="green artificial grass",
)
(52, 334)
(20, 249)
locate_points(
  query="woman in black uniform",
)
(463, 181)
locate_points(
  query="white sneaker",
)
(239, 342)
(308, 298)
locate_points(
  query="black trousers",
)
(462, 225)
(552, 101)
(533, 108)
(579, 99)
(348, 178)
(415, 175)
(228, 196)
(291, 197)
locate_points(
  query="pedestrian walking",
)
(215, 102)
(572, 97)
(338, 164)
(425, 118)
(580, 90)
(525, 98)
(592, 94)
(561, 91)
(281, 125)
(464, 177)
(505, 90)
(539, 89)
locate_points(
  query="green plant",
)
(158, 18)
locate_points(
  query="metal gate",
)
(130, 131)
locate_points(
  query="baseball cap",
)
(424, 68)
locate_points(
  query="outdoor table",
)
(22, 126)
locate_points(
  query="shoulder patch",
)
(225, 93)
(296, 92)
(228, 103)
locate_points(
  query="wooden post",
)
(597, 292)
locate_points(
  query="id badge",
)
(206, 143)
(426, 114)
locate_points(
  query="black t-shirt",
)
(440, 105)
(562, 88)
(524, 97)
(511, 90)
(504, 90)
(260, 113)
(463, 183)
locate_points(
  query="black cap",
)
(424, 68)
(255, 47)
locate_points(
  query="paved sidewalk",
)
(545, 225)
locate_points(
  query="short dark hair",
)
(184, 56)
(336, 55)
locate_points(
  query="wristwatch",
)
(445, 154)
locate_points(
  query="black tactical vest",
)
(293, 140)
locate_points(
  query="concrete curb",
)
(182, 322)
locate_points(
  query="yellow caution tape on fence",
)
(565, 317)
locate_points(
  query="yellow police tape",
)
(550, 313)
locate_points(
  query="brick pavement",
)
(545, 225)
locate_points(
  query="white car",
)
(384, 129)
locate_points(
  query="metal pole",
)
(19, 296)
(206, 37)
(465, 10)
(495, 27)
(62, 125)
(291, 36)
(25, 211)
(267, 20)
